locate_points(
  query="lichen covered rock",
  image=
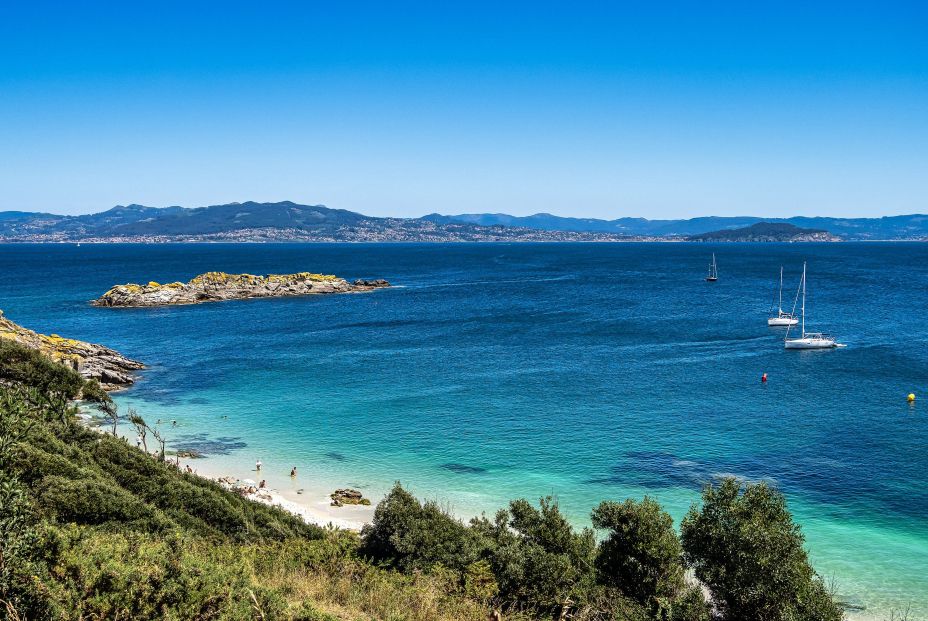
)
(219, 286)
(341, 497)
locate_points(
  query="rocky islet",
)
(220, 286)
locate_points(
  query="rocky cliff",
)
(109, 367)
(219, 286)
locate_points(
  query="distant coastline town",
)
(291, 222)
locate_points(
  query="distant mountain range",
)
(250, 221)
(288, 221)
(913, 226)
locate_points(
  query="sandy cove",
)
(313, 505)
(298, 495)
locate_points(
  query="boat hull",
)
(807, 343)
(782, 321)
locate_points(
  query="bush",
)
(479, 582)
(92, 501)
(28, 367)
(107, 575)
(538, 559)
(410, 535)
(642, 554)
(744, 545)
(690, 606)
(19, 560)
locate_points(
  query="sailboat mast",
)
(780, 305)
(803, 299)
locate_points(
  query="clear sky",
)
(606, 109)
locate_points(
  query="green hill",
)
(766, 232)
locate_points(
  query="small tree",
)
(641, 555)
(744, 545)
(413, 535)
(110, 413)
(160, 440)
(141, 427)
(539, 560)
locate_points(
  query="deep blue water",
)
(590, 372)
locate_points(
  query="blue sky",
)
(661, 110)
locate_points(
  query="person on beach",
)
(262, 484)
(293, 472)
(258, 465)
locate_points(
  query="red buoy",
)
(763, 378)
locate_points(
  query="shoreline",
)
(314, 508)
(309, 501)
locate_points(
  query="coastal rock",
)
(342, 497)
(113, 370)
(371, 284)
(219, 286)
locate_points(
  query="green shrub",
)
(690, 605)
(108, 575)
(538, 559)
(641, 555)
(308, 612)
(93, 392)
(411, 535)
(91, 501)
(20, 562)
(480, 582)
(744, 545)
(28, 367)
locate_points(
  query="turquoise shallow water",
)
(585, 371)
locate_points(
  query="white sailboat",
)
(713, 270)
(808, 340)
(782, 318)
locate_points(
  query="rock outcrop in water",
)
(341, 497)
(219, 286)
(109, 367)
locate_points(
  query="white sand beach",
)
(303, 498)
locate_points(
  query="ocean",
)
(583, 371)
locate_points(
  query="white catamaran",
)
(782, 318)
(808, 340)
(713, 270)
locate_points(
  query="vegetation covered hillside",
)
(91, 528)
(766, 232)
